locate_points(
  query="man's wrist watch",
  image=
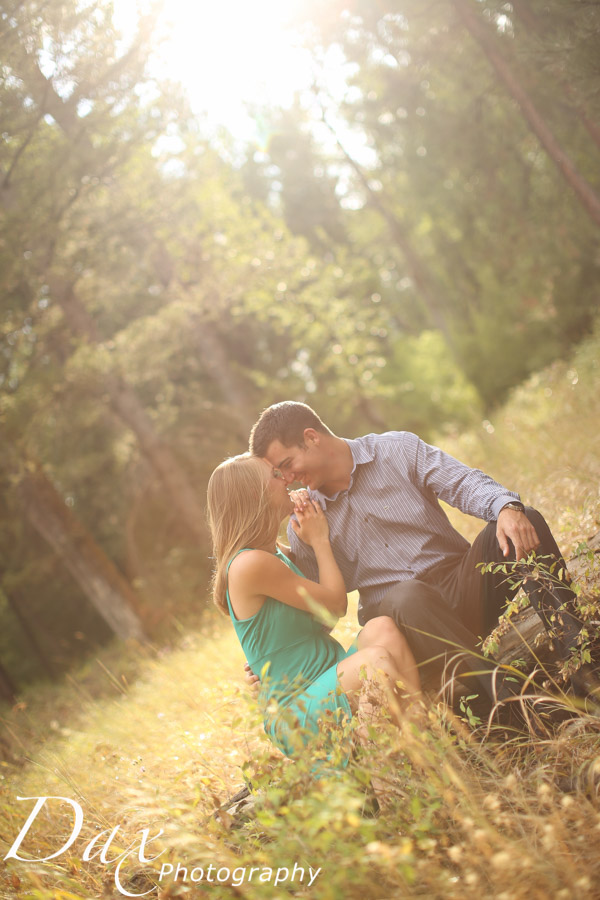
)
(514, 504)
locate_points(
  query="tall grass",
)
(160, 739)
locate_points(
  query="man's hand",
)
(252, 680)
(515, 526)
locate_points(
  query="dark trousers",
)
(453, 604)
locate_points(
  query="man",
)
(394, 543)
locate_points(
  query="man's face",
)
(303, 464)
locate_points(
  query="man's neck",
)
(339, 467)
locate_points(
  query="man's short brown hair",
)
(284, 422)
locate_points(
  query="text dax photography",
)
(99, 848)
(299, 458)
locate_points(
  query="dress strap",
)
(284, 559)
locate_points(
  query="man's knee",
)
(535, 517)
(539, 523)
(547, 545)
(410, 603)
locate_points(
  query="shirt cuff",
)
(501, 502)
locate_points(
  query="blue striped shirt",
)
(388, 526)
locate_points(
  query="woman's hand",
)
(311, 525)
(299, 498)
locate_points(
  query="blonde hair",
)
(239, 515)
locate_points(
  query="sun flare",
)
(229, 55)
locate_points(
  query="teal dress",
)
(296, 660)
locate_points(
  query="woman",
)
(272, 606)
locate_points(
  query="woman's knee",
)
(379, 629)
(383, 632)
(365, 664)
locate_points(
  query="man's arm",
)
(470, 490)
(474, 493)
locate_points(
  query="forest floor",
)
(160, 738)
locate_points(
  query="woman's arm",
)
(312, 528)
(257, 574)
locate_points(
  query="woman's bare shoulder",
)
(254, 575)
(254, 562)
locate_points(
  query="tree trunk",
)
(588, 197)
(97, 576)
(32, 640)
(124, 401)
(8, 689)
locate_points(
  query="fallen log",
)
(523, 634)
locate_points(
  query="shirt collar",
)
(361, 453)
(360, 450)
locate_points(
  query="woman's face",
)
(279, 499)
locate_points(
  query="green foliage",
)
(472, 719)
(492, 236)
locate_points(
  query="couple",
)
(370, 521)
